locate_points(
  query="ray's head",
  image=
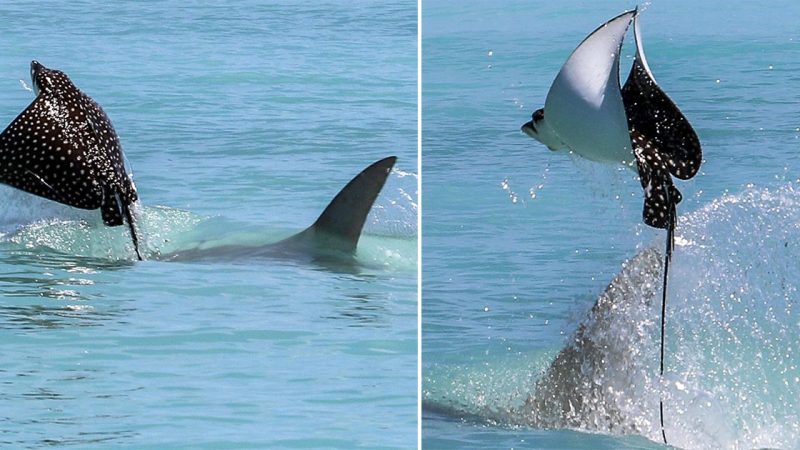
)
(48, 80)
(539, 129)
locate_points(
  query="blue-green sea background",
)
(518, 242)
(241, 120)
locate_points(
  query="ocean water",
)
(519, 242)
(240, 121)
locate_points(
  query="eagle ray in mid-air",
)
(63, 147)
(637, 125)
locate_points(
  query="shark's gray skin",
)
(333, 237)
(578, 387)
(63, 147)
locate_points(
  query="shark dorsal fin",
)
(339, 226)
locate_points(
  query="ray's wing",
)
(583, 106)
(652, 113)
(44, 152)
(63, 147)
(106, 151)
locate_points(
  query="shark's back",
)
(334, 235)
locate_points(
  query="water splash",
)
(533, 191)
(511, 194)
(25, 86)
(395, 211)
(31, 225)
(81, 234)
(732, 363)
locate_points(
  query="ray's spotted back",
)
(63, 147)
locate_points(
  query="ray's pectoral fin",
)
(664, 142)
(653, 114)
(63, 147)
(339, 226)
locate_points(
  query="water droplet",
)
(25, 86)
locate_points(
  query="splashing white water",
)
(28, 222)
(732, 375)
(395, 211)
(25, 86)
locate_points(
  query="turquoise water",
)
(240, 122)
(520, 242)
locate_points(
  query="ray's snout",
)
(36, 67)
(539, 129)
(529, 128)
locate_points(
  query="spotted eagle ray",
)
(63, 147)
(332, 238)
(637, 125)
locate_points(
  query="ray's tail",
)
(670, 245)
(126, 210)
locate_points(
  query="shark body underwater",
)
(637, 125)
(63, 147)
